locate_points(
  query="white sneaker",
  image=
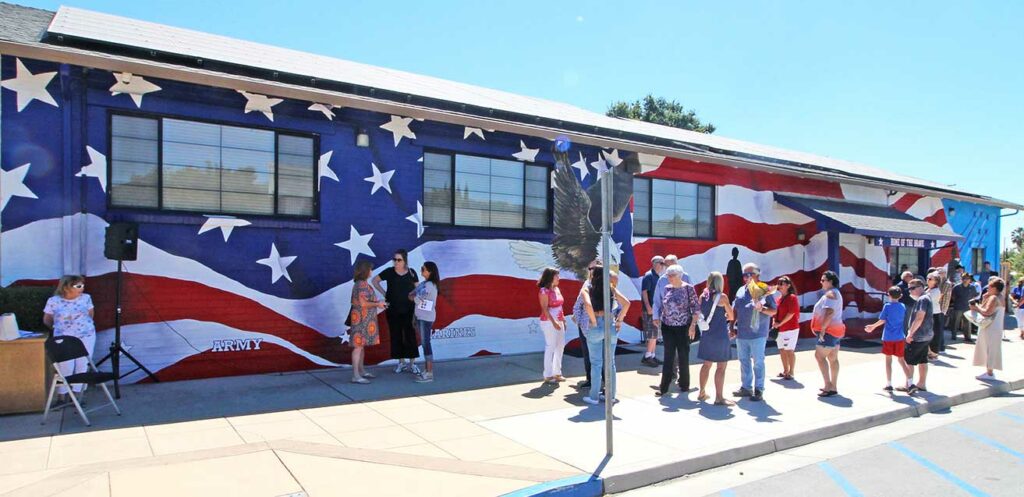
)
(399, 366)
(360, 380)
(985, 376)
(591, 401)
(415, 369)
(424, 378)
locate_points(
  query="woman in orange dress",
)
(363, 332)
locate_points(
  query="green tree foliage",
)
(658, 110)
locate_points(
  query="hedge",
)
(27, 303)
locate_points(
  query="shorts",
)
(916, 353)
(787, 339)
(827, 341)
(893, 347)
(651, 332)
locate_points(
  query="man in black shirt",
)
(959, 304)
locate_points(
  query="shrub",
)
(27, 303)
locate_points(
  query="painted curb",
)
(649, 476)
(574, 486)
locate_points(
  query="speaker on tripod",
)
(121, 244)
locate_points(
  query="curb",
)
(650, 476)
(574, 486)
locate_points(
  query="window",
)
(466, 190)
(977, 260)
(900, 256)
(178, 165)
(673, 209)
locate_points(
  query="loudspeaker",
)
(631, 163)
(122, 242)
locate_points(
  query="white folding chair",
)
(68, 348)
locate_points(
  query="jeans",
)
(424, 328)
(938, 343)
(595, 346)
(751, 354)
(554, 346)
(677, 343)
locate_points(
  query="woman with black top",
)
(400, 311)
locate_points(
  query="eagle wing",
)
(575, 243)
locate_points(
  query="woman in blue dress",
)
(715, 346)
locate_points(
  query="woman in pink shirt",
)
(552, 323)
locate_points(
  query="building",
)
(259, 175)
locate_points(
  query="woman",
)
(401, 280)
(69, 312)
(593, 303)
(579, 316)
(787, 321)
(827, 323)
(676, 317)
(988, 352)
(935, 293)
(714, 343)
(425, 299)
(363, 316)
(552, 323)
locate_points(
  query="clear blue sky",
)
(928, 89)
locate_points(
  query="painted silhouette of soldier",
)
(734, 273)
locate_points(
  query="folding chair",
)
(68, 348)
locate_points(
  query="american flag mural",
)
(214, 294)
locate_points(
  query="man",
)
(906, 299)
(647, 289)
(960, 304)
(947, 295)
(1017, 296)
(986, 273)
(919, 335)
(754, 307)
(903, 269)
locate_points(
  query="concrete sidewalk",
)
(485, 427)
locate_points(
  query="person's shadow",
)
(761, 411)
(837, 401)
(541, 391)
(788, 384)
(716, 413)
(591, 414)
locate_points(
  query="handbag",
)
(702, 322)
(773, 333)
(977, 319)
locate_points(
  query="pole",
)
(115, 346)
(609, 346)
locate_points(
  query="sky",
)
(928, 89)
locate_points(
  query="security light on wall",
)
(800, 235)
(952, 212)
(362, 139)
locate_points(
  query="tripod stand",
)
(116, 350)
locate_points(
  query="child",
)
(893, 336)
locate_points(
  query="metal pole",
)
(609, 345)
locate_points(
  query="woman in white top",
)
(827, 323)
(935, 293)
(988, 351)
(70, 313)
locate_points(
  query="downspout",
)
(67, 176)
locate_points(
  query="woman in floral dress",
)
(363, 316)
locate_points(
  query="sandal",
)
(702, 397)
(828, 393)
(724, 402)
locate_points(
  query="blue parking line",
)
(727, 493)
(840, 480)
(934, 468)
(988, 441)
(1019, 419)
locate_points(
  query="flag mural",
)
(240, 290)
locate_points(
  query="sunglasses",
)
(78, 286)
(915, 287)
(397, 259)
(784, 283)
(749, 274)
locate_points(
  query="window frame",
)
(159, 118)
(451, 210)
(650, 209)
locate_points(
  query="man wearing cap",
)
(648, 288)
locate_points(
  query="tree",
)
(1017, 237)
(658, 110)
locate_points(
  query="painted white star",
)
(97, 167)
(600, 164)
(473, 131)
(30, 86)
(324, 168)
(357, 244)
(399, 128)
(345, 338)
(225, 223)
(526, 154)
(12, 184)
(380, 179)
(254, 102)
(582, 166)
(326, 109)
(134, 86)
(612, 158)
(417, 219)
(278, 265)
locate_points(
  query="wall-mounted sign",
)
(893, 241)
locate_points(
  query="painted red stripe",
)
(906, 201)
(875, 276)
(716, 174)
(938, 219)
